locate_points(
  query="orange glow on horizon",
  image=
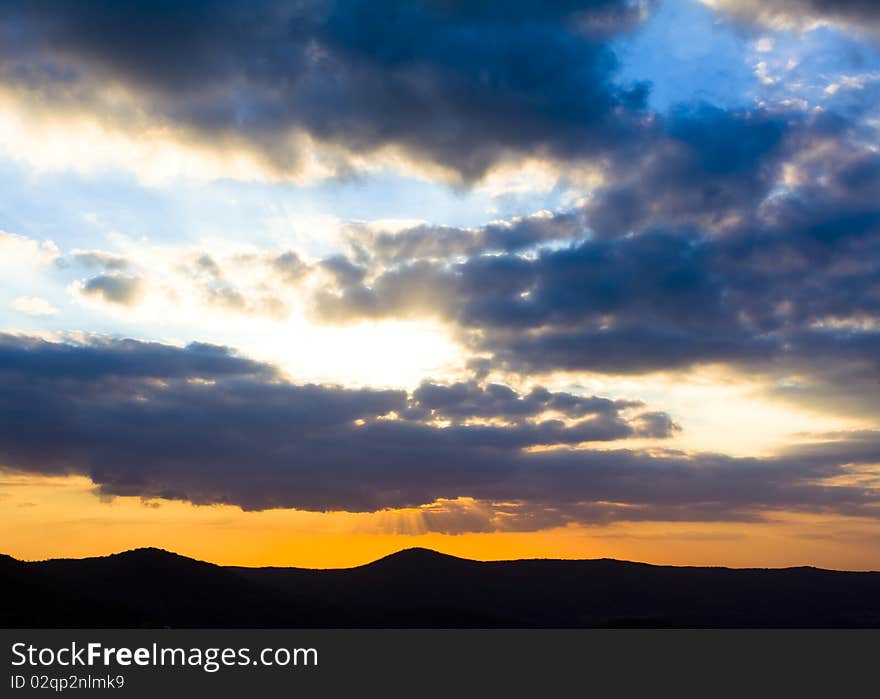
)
(61, 517)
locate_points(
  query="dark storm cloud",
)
(155, 420)
(455, 83)
(711, 169)
(750, 239)
(103, 358)
(659, 300)
(845, 386)
(202, 425)
(434, 242)
(655, 424)
(700, 167)
(469, 399)
(597, 418)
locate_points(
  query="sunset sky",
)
(305, 282)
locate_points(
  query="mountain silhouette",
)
(424, 588)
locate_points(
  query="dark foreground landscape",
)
(422, 588)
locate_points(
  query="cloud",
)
(115, 284)
(114, 288)
(743, 238)
(746, 238)
(201, 424)
(289, 267)
(447, 84)
(106, 261)
(711, 170)
(656, 301)
(435, 242)
(20, 251)
(859, 14)
(34, 306)
(470, 399)
(230, 298)
(245, 282)
(111, 359)
(242, 283)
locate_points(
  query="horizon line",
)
(436, 553)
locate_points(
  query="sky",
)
(308, 282)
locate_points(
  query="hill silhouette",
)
(423, 588)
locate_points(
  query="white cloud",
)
(17, 251)
(763, 73)
(34, 306)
